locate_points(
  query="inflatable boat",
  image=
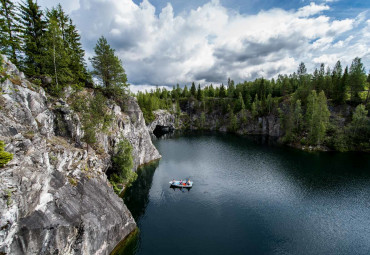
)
(183, 184)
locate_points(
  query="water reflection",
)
(137, 196)
(174, 188)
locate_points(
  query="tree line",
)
(301, 100)
(46, 46)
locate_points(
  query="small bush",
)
(5, 157)
(122, 163)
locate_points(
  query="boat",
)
(183, 184)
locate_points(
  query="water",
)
(250, 197)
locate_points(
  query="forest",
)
(328, 107)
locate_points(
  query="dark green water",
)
(251, 198)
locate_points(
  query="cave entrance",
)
(162, 130)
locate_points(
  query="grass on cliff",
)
(5, 157)
(94, 112)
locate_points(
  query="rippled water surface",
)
(251, 198)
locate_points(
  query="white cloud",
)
(212, 43)
(136, 88)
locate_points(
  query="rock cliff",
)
(191, 119)
(55, 196)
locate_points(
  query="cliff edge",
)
(55, 196)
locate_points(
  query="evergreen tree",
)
(243, 116)
(232, 119)
(10, 41)
(193, 90)
(269, 103)
(56, 58)
(357, 79)
(211, 91)
(108, 68)
(317, 116)
(230, 88)
(297, 116)
(199, 93)
(360, 121)
(33, 29)
(339, 91)
(76, 54)
(254, 110)
(222, 92)
(185, 92)
(248, 101)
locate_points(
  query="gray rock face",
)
(163, 118)
(55, 196)
(216, 121)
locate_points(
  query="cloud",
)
(143, 88)
(211, 43)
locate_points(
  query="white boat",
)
(183, 184)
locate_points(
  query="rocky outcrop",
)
(55, 196)
(164, 122)
(191, 119)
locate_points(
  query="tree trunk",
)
(55, 67)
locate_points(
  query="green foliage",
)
(233, 124)
(10, 41)
(5, 157)
(301, 98)
(193, 90)
(317, 117)
(108, 68)
(122, 164)
(199, 94)
(33, 29)
(357, 78)
(56, 58)
(94, 113)
(360, 128)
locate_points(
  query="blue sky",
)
(167, 42)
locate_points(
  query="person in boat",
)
(180, 181)
(188, 182)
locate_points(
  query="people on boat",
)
(180, 181)
(188, 182)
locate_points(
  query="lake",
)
(250, 196)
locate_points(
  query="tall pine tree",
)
(10, 41)
(33, 29)
(108, 68)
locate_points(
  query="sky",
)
(206, 41)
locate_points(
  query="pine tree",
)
(199, 93)
(33, 29)
(297, 116)
(230, 88)
(108, 68)
(242, 110)
(339, 91)
(211, 91)
(193, 90)
(357, 79)
(56, 58)
(360, 120)
(72, 44)
(222, 93)
(317, 116)
(185, 92)
(10, 41)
